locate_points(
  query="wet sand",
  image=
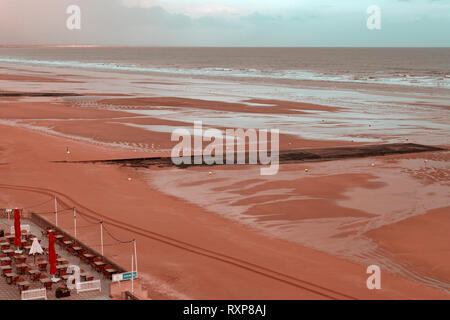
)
(428, 228)
(231, 234)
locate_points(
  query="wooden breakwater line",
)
(285, 156)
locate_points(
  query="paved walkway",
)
(11, 292)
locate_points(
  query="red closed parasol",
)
(17, 231)
(51, 253)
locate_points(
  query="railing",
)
(34, 294)
(9, 214)
(89, 286)
(43, 223)
(22, 227)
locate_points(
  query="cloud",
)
(225, 23)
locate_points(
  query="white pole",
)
(75, 221)
(56, 212)
(101, 235)
(132, 278)
(135, 258)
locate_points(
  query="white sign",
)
(124, 276)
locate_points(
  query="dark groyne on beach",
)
(285, 156)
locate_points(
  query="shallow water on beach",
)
(368, 115)
(378, 124)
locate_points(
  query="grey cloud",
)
(108, 22)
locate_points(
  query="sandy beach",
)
(225, 232)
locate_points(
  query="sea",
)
(419, 67)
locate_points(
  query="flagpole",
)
(75, 221)
(101, 235)
(135, 258)
(56, 212)
(132, 278)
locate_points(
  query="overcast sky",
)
(227, 22)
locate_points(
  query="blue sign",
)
(127, 275)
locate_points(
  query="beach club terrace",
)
(38, 260)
